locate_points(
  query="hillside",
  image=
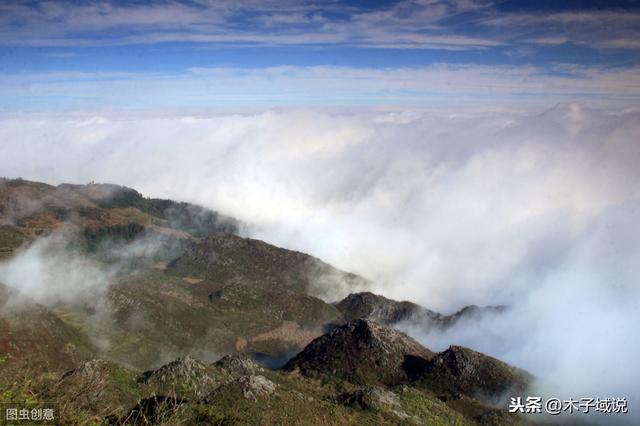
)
(123, 309)
(171, 291)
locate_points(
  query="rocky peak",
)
(239, 365)
(186, 377)
(361, 351)
(460, 370)
(252, 387)
(386, 311)
(92, 369)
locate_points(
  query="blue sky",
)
(57, 54)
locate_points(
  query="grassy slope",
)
(212, 296)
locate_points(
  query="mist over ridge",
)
(535, 210)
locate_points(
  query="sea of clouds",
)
(537, 210)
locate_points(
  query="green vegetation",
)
(183, 291)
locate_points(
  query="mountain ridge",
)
(182, 304)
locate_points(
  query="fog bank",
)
(537, 210)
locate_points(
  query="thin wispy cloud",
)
(200, 53)
(316, 86)
(263, 22)
(403, 24)
(594, 29)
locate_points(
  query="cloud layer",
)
(443, 207)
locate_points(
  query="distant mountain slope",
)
(195, 220)
(35, 207)
(366, 305)
(224, 257)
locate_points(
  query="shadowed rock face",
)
(362, 352)
(460, 370)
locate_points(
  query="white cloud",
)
(316, 166)
(549, 41)
(445, 207)
(49, 273)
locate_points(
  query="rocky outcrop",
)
(362, 352)
(185, 377)
(369, 398)
(239, 365)
(252, 387)
(367, 305)
(460, 370)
